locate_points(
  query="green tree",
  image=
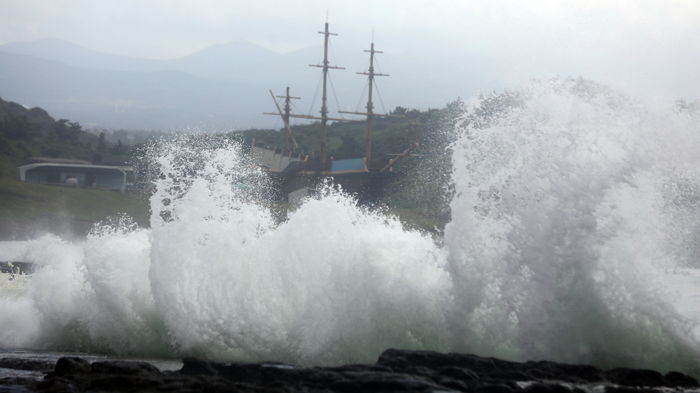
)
(101, 145)
(19, 128)
(65, 130)
(399, 110)
(118, 149)
(349, 148)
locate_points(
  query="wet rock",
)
(635, 377)
(496, 388)
(395, 371)
(454, 384)
(16, 381)
(563, 372)
(383, 382)
(124, 368)
(122, 382)
(71, 365)
(547, 388)
(675, 378)
(17, 385)
(627, 389)
(26, 364)
(53, 383)
(193, 366)
(399, 360)
(460, 374)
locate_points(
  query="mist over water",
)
(572, 203)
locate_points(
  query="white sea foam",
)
(565, 218)
(572, 204)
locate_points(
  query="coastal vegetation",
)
(417, 195)
(29, 209)
(420, 193)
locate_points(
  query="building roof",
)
(24, 168)
(54, 160)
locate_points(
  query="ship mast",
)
(370, 105)
(324, 100)
(286, 115)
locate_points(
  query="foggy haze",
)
(435, 51)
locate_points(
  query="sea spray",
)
(571, 203)
(557, 241)
(332, 283)
(216, 275)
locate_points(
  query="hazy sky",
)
(646, 45)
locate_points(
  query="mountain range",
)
(220, 88)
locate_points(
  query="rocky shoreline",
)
(394, 371)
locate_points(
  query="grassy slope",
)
(29, 209)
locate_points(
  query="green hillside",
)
(28, 209)
(32, 132)
(31, 209)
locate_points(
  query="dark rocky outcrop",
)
(26, 364)
(395, 371)
(71, 366)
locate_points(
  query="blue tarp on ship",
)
(353, 164)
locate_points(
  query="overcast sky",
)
(649, 46)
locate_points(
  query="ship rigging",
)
(361, 174)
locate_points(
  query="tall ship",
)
(298, 174)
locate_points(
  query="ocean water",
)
(573, 238)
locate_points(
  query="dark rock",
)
(495, 388)
(563, 372)
(120, 382)
(454, 384)
(382, 382)
(16, 381)
(419, 370)
(547, 388)
(26, 364)
(124, 368)
(395, 371)
(635, 377)
(460, 374)
(71, 365)
(626, 389)
(399, 360)
(57, 384)
(193, 366)
(355, 367)
(675, 378)
(512, 375)
(252, 372)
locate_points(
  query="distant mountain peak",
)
(53, 48)
(43, 44)
(234, 48)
